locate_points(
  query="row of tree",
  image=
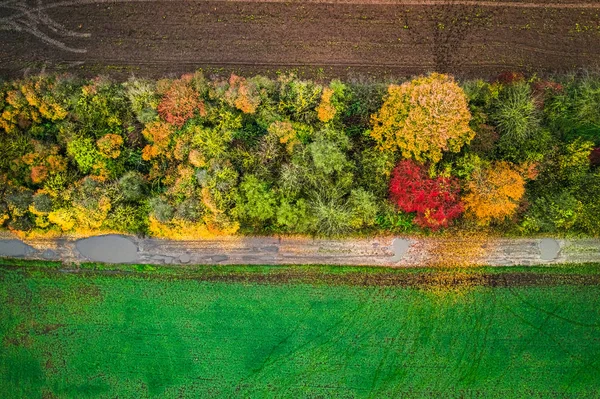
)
(194, 157)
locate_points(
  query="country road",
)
(387, 251)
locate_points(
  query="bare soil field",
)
(380, 38)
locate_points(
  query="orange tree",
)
(422, 118)
(494, 192)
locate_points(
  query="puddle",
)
(110, 248)
(549, 248)
(14, 248)
(399, 246)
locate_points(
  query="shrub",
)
(91, 204)
(298, 98)
(159, 135)
(374, 171)
(435, 201)
(42, 203)
(132, 186)
(557, 212)
(190, 210)
(109, 145)
(18, 201)
(588, 221)
(256, 203)
(515, 113)
(180, 102)
(333, 218)
(422, 118)
(127, 218)
(573, 162)
(284, 132)
(327, 156)
(101, 108)
(485, 139)
(30, 101)
(143, 98)
(532, 148)
(161, 209)
(363, 208)
(586, 103)
(242, 95)
(295, 216)
(83, 151)
(332, 101)
(392, 220)
(493, 192)
(362, 100)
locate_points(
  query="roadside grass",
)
(104, 331)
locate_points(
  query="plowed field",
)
(331, 38)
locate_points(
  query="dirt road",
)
(382, 251)
(333, 38)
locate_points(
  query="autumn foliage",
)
(325, 110)
(180, 102)
(494, 192)
(436, 201)
(241, 94)
(159, 135)
(422, 118)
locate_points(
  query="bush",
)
(18, 201)
(132, 186)
(295, 216)
(558, 212)
(363, 100)
(327, 157)
(109, 145)
(588, 221)
(256, 203)
(422, 118)
(391, 220)
(435, 201)
(493, 192)
(83, 151)
(242, 94)
(143, 98)
(190, 210)
(42, 203)
(180, 101)
(333, 218)
(127, 218)
(332, 101)
(101, 109)
(363, 208)
(161, 209)
(91, 203)
(515, 113)
(298, 98)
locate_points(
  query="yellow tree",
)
(494, 192)
(423, 117)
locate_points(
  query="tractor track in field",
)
(451, 278)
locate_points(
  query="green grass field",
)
(186, 335)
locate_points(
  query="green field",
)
(236, 332)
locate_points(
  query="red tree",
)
(595, 157)
(436, 201)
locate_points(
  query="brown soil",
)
(381, 38)
(420, 279)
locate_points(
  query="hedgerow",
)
(198, 157)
